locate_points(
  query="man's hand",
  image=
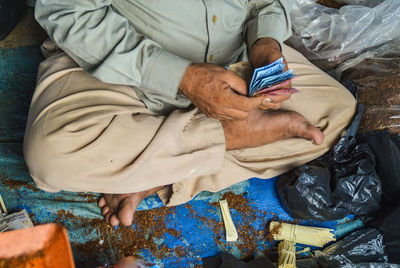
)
(219, 93)
(264, 52)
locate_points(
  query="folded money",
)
(270, 79)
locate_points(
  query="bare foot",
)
(120, 208)
(263, 127)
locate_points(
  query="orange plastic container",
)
(41, 246)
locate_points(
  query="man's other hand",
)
(265, 51)
(221, 94)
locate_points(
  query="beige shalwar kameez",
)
(87, 135)
(107, 117)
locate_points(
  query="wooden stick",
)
(231, 233)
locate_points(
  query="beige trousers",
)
(86, 135)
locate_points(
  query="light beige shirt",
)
(148, 44)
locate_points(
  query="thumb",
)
(263, 102)
(236, 83)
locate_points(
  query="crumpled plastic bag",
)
(387, 222)
(337, 184)
(362, 246)
(371, 265)
(386, 149)
(329, 36)
(365, 245)
(10, 13)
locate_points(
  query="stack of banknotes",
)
(271, 79)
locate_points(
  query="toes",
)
(105, 210)
(312, 133)
(114, 221)
(127, 262)
(107, 217)
(317, 135)
(125, 205)
(102, 202)
(127, 210)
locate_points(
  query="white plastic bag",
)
(329, 36)
(386, 59)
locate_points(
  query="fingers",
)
(246, 104)
(237, 107)
(231, 105)
(236, 83)
(237, 114)
(228, 114)
(224, 97)
(273, 102)
(277, 98)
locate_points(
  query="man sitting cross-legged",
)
(133, 99)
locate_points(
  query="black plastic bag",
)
(226, 260)
(339, 183)
(10, 13)
(387, 152)
(387, 221)
(374, 265)
(362, 246)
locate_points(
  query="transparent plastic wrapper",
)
(329, 36)
(378, 117)
(377, 63)
(368, 3)
(331, 3)
(339, 183)
(377, 76)
(17, 220)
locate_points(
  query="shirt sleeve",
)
(268, 18)
(107, 46)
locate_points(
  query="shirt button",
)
(211, 57)
(214, 19)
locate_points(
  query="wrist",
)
(264, 51)
(268, 42)
(185, 79)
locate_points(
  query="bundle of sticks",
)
(290, 234)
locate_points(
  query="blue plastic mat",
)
(176, 237)
(18, 69)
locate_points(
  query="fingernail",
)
(267, 100)
(313, 142)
